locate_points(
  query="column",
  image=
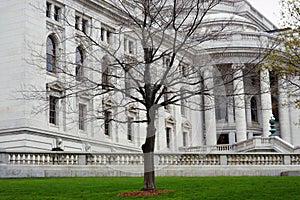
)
(248, 114)
(284, 115)
(266, 102)
(239, 97)
(209, 108)
(196, 119)
(230, 112)
(52, 11)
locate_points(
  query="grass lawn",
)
(183, 187)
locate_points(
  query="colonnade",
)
(242, 113)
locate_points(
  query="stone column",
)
(248, 114)
(284, 115)
(196, 118)
(52, 11)
(209, 108)
(230, 112)
(266, 101)
(239, 97)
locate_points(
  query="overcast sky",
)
(269, 8)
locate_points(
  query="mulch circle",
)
(143, 193)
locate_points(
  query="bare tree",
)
(151, 61)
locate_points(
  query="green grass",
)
(184, 188)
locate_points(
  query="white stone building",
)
(33, 29)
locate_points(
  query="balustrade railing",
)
(131, 159)
(42, 158)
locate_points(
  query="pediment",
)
(170, 120)
(55, 86)
(187, 125)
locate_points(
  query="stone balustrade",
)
(136, 159)
(258, 143)
(51, 158)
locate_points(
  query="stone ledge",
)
(29, 171)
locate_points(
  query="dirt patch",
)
(143, 193)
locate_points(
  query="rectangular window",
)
(183, 70)
(108, 37)
(125, 45)
(102, 34)
(130, 47)
(166, 62)
(48, 9)
(53, 110)
(57, 12)
(85, 25)
(168, 137)
(184, 139)
(107, 123)
(182, 104)
(77, 22)
(82, 116)
(128, 86)
(166, 98)
(105, 77)
(129, 128)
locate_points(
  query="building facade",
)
(40, 39)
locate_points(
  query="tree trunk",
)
(149, 172)
(148, 150)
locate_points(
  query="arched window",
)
(254, 116)
(79, 64)
(51, 55)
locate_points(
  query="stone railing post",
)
(287, 160)
(257, 141)
(82, 159)
(3, 158)
(223, 159)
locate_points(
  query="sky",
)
(269, 8)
